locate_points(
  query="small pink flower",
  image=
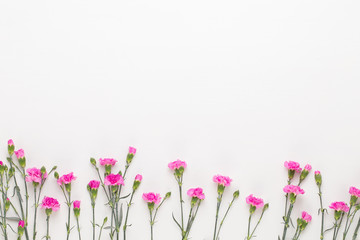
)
(354, 191)
(138, 178)
(132, 150)
(20, 153)
(50, 203)
(196, 193)
(291, 165)
(114, 179)
(21, 223)
(177, 164)
(94, 184)
(107, 161)
(35, 175)
(256, 202)
(152, 197)
(306, 217)
(339, 206)
(1, 163)
(317, 172)
(66, 179)
(11, 142)
(293, 189)
(76, 204)
(222, 180)
(307, 167)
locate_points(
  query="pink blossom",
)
(11, 142)
(196, 193)
(177, 164)
(66, 179)
(114, 179)
(256, 202)
(306, 217)
(19, 153)
(307, 167)
(152, 197)
(21, 223)
(317, 172)
(76, 204)
(222, 180)
(132, 150)
(354, 191)
(1, 163)
(138, 178)
(50, 203)
(94, 184)
(107, 161)
(293, 189)
(35, 175)
(291, 165)
(339, 206)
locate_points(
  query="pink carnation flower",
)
(138, 178)
(222, 180)
(152, 197)
(35, 175)
(19, 153)
(354, 191)
(94, 184)
(339, 206)
(114, 179)
(50, 203)
(21, 223)
(177, 164)
(196, 193)
(256, 202)
(66, 179)
(11, 142)
(293, 189)
(306, 217)
(291, 165)
(317, 172)
(107, 161)
(132, 150)
(307, 167)
(76, 204)
(1, 163)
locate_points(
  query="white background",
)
(230, 87)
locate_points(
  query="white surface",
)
(230, 87)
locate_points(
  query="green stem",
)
(295, 235)
(249, 223)
(127, 213)
(257, 224)
(181, 207)
(223, 219)
(338, 228)
(69, 211)
(287, 219)
(322, 213)
(192, 220)
(47, 227)
(347, 225)
(335, 226)
(78, 227)
(93, 217)
(152, 221)
(35, 214)
(356, 230)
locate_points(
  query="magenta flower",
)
(354, 191)
(293, 189)
(307, 167)
(177, 164)
(256, 202)
(35, 175)
(10, 142)
(317, 173)
(20, 153)
(1, 163)
(50, 203)
(339, 206)
(138, 178)
(222, 180)
(94, 184)
(21, 223)
(196, 193)
(132, 150)
(107, 161)
(306, 217)
(291, 165)
(152, 197)
(66, 179)
(114, 180)
(76, 204)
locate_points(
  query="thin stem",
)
(93, 217)
(223, 219)
(356, 230)
(249, 223)
(152, 221)
(257, 224)
(68, 222)
(335, 226)
(287, 219)
(47, 227)
(127, 213)
(322, 213)
(192, 220)
(341, 219)
(78, 227)
(347, 225)
(188, 223)
(35, 214)
(296, 233)
(219, 199)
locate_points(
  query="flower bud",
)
(11, 147)
(20, 154)
(130, 155)
(318, 178)
(137, 182)
(93, 161)
(167, 195)
(266, 206)
(76, 207)
(236, 194)
(43, 170)
(2, 168)
(56, 175)
(21, 227)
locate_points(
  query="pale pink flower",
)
(152, 197)
(114, 179)
(339, 206)
(306, 217)
(177, 164)
(222, 180)
(94, 184)
(76, 204)
(11, 142)
(138, 178)
(66, 179)
(35, 175)
(132, 150)
(107, 161)
(196, 193)
(293, 189)
(21, 223)
(256, 202)
(19, 153)
(291, 165)
(307, 167)
(354, 191)
(317, 172)
(50, 203)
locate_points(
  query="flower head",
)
(151, 197)
(318, 178)
(94, 184)
(35, 175)
(11, 147)
(20, 153)
(196, 193)
(307, 167)
(92, 187)
(339, 206)
(21, 226)
(107, 161)
(291, 165)
(222, 180)
(256, 202)
(306, 217)
(132, 150)
(354, 191)
(66, 179)
(293, 189)
(114, 180)
(21, 223)
(10, 142)
(76, 204)
(50, 204)
(177, 164)
(138, 178)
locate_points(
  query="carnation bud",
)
(21, 227)
(167, 195)
(56, 175)
(318, 178)
(76, 208)
(43, 170)
(11, 147)
(93, 161)
(236, 194)
(130, 155)
(266, 206)
(105, 220)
